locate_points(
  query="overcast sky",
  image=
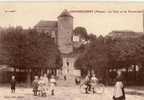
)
(100, 18)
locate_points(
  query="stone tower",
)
(64, 41)
(64, 36)
(62, 32)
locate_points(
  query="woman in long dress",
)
(119, 93)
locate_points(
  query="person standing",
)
(94, 82)
(41, 88)
(87, 83)
(119, 92)
(46, 81)
(13, 84)
(35, 85)
(52, 84)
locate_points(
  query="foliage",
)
(107, 53)
(94, 57)
(126, 52)
(81, 31)
(92, 37)
(28, 48)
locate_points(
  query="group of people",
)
(42, 85)
(119, 93)
(90, 82)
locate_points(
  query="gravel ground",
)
(66, 93)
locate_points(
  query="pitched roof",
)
(44, 23)
(65, 13)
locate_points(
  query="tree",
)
(92, 37)
(126, 53)
(104, 53)
(28, 49)
(94, 58)
(81, 31)
(42, 50)
(11, 42)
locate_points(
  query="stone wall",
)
(64, 36)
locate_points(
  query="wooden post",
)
(126, 76)
(14, 73)
(135, 73)
(106, 76)
(55, 71)
(28, 78)
(143, 20)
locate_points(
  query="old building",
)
(62, 33)
(124, 34)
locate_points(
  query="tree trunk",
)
(135, 74)
(14, 72)
(126, 76)
(107, 77)
(28, 78)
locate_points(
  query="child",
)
(93, 82)
(45, 79)
(41, 87)
(35, 85)
(13, 84)
(52, 84)
(87, 83)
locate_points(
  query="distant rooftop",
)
(45, 23)
(52, 24)
(125, 34)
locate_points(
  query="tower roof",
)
(65, 13)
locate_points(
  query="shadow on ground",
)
(134, 93)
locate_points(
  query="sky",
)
(98, 18)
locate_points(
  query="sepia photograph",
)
(71, 50)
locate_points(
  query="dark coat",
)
(35, 85)
(13, 83)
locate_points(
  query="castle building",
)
(62, 33)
